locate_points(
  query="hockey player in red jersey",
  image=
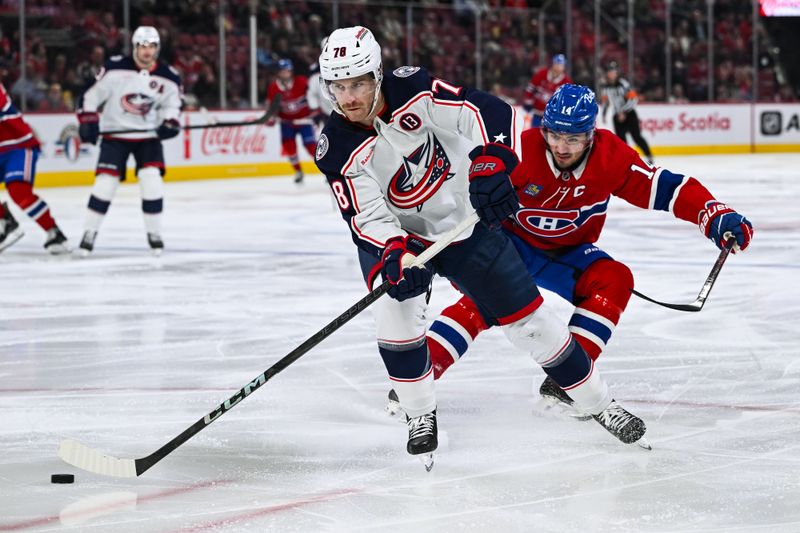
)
(19, 151)
(543, 84)
(569, 170)
(296, 116)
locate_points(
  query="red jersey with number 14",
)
(294, 99)
(14, 131)
(569, 208)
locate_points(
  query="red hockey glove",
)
(719, 222)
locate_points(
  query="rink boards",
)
(256, 150)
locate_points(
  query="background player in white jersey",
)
(408, 157)
(135, 92)
(568, 173)
(316, 98)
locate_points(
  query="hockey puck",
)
(62, 478)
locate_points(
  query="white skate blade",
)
(562, 410)
(156, 252)
(58, 249)
(11, 238)
(83, 253)
(427, 461)
(644, 444)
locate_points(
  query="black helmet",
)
(612, 65)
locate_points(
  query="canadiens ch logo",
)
(406, 71)
(322, 147)
(137, 104)
(557, 222)
(410, 122)
(420, 176)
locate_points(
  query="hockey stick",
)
(697, 305)
(272, 110)
(89, 459)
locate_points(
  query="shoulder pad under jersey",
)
(165, 71)
(403, 84)
(120, 63)
(338, 141)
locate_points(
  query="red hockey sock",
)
(605, 289)
(36, 208)
(451, 334)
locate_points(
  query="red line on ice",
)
(27, 524)
(255, 513)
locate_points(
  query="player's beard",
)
(570, 166)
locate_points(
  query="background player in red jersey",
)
(569, 171)
(543, 84)
(19, 151)
(296, 116)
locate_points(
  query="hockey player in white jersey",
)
(408, 157)
(136, 92)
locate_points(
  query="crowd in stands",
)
(68, 41)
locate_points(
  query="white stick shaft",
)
(445, 240)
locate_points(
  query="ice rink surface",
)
(123, 351)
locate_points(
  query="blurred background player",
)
(19, 151)
(136, 92)
(543, 84)
(568, 173)
(316, 99)
(618, 94)
(296, 115)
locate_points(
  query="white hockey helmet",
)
(349, 53)
(146, 35)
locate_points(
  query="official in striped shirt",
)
(618, 94)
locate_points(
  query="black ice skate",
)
(553, 395)
(423, 437)
(87, 243)
(56, 242)
(626, 427)
(156, 244)
(10, 232)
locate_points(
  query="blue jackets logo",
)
(420, 176)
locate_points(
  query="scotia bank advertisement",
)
(696, 128)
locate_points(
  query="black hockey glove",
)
(168, 129)
(490, 189)
(89, 128)
(406, 282)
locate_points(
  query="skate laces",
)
(420, 426)
(615, 417)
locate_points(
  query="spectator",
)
(88, 70)
(678, 96)
(30, 89)
(54, 101)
